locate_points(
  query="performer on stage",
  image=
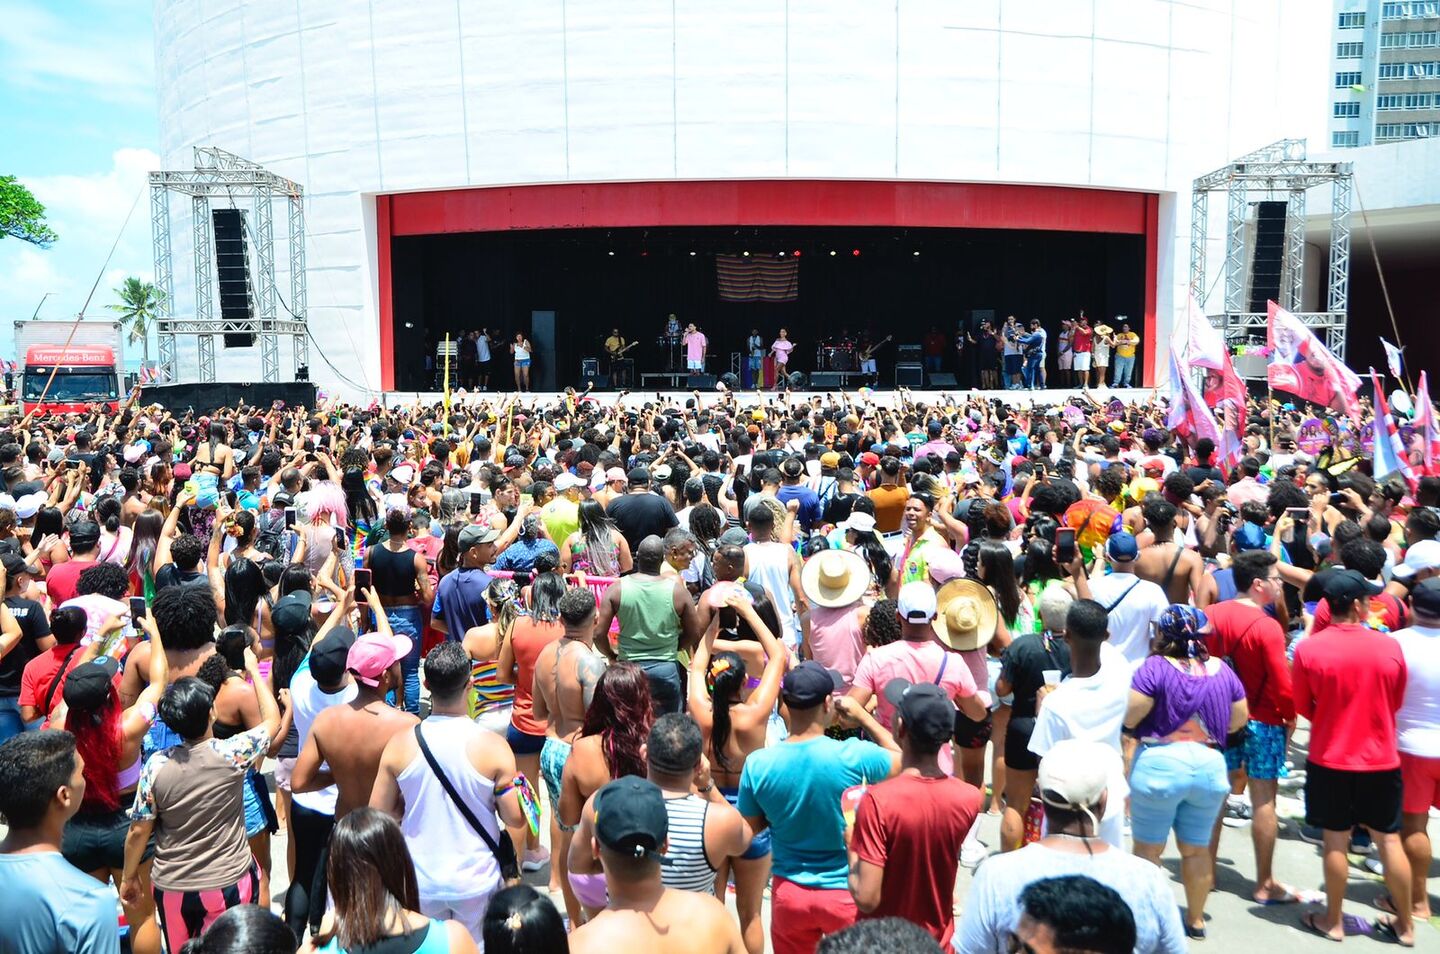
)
(521, 349)
(615, 347)
(672, 326)
(483, 356)
(755, 346)
(695, 342)
(780, 350)
(865, 351)
(671, 342)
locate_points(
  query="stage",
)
(887, 398)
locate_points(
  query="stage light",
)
(855, 252)
(302, 372)
(782, 254)
(409, 324)
(916, 254)
(797, 253)
(692, 254)
(832, 251)
(610, 253)
(746, 254)
(644, 254)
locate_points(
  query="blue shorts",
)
(259, 813)
(992, 672)
(760, 845)
(1180, 786)
(553, 757)
(1262, 754)
(523, 743)
(525, 363)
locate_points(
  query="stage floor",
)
(886, 398)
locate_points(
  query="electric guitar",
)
(616, 354)
(867, 353)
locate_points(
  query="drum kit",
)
(836, 356)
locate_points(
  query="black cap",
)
(809, 684)
(292, 612)
(328, 660)
(928, 714)
(639, 476)
(87, 686)
(1425, 598)
(84, 535)
(1346, 586)
(14, 565)
(630, 816)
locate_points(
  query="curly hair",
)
(621, 715)
(882, 626)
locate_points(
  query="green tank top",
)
(649, 628)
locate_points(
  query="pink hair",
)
(326, 497)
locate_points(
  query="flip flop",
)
(1385, 927)
(1387, 904)
(1308, 922)
(1288, 897)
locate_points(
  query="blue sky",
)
(78, 111)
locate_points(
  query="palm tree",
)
(139, 305)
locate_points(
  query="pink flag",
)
(1301, 365)
(1389, 450)
(1425, 423)
(1189, 416)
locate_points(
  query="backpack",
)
(270, 534)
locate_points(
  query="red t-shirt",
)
(41, 671)
(1082, 340)
(1387, 614)
(1255, 645)
(912, 827)
(62, 579)
(1349, 682)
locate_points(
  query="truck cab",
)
(84, 375)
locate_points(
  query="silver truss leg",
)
(200, 229)
(1199, 224)
(1339, 284)
(265, 294)
(1292, 271)
(1235, 248)
(164, 276)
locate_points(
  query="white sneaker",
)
(535, 860)
(972, 853)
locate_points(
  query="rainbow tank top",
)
(487, 691)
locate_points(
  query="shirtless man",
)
(185, 616)
(625, 825)
(565, 676)
(346, 741)
(1177, 570)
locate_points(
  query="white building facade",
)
(358, 100)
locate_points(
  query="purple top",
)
(1180, 697)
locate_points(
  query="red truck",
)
(86, 372)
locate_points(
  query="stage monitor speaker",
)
(943, 379)
(589, 367)
(205, 397)
(601, 381)
(910, 374)
(704, 381)
(542, 359)
(825, 380)
(907, 353)
(232, 272)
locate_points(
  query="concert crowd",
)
(723, 672)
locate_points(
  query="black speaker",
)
(205, 397)
(232, 272)
(601, 381)
(542, 359)
(1268, 262)
(589, 367)
(824, 380)
(942, 379)
(706, 381)
(910, 375)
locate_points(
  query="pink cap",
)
(374, 653)
(614, 474)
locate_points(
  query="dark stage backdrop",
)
(461, 282)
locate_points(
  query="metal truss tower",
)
(232, 182)
(1278, 169)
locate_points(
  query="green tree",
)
(21, 216)
(139, 305)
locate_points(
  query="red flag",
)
(1425, 423)
(1388, 453)
(1301, 365)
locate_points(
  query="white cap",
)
(1424, 555)
(1075, 773)
(404, 474)
(859, 522)
(566, 481)
(30, 504)
(917, 602)
(395, 502)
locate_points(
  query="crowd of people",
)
(698, 652)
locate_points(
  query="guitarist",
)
(615, 348)
(866, 352)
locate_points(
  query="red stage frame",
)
(763, 202)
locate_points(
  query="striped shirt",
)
(691, 870)
(489, 691)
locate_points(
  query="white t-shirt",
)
(482, 348)
(308, 700)
(1090, 708)
(1131, 617)
(1418, 721)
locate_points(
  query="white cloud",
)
(87, 213)
(43, 51)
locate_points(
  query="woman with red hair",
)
(108, 739)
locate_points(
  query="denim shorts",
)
(1180, 786)
(1262, 754)
(96, 840)
(760, 844)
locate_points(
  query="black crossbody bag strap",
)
(60, 675)
(505, 856)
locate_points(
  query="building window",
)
(1414, 40)
(1409, 70)
(1347, 110)
(1349, 137)
(1351, 20)
(1387, 102)
(1349, 51)
(1409, 10)
(1392, 131)
(1417, 100)
(1345, 80)
(1404, 101)
(1422, 38)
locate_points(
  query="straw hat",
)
(966, 615)
(834, 578)
(1103, 330)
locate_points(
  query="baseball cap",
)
(614, 474)
(84, 535)
(291, 613)
(1249, 536)
(14, 565)
(661, 472)
(1347, 586)
(514, 461)
(1425, 598)
(87, 686)
(403, 474)
(28, 505)
(1122, 546)
(638, 475)
(630, 816)
(734, 536)
(858, 521)
(870, 458)
(1075, 773)
(830, 459)
(474, 534)
(328, 660)
(567, 481)
(917, 602)
(1424, 555)
(809, 684)
(926, 710)
(374, 653)
(181, 471)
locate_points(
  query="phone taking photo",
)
(290, 517)
(137, 607)
(1065, 546)
(362, 583)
